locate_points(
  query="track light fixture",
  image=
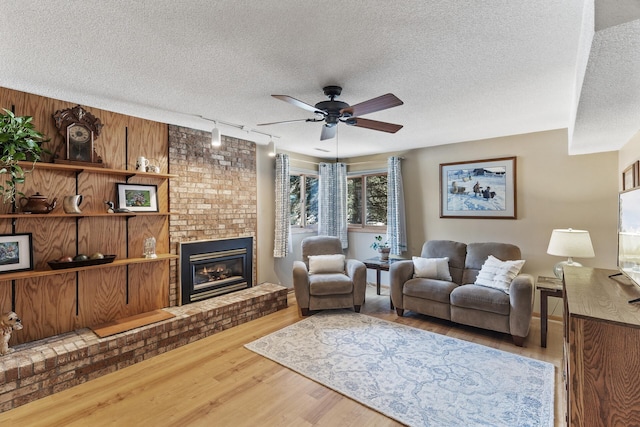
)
(216, 139)
(272, 147)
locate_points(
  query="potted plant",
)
(19, 141)
(382, 248)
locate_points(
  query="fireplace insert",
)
(215, 267)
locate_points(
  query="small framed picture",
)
(15, 253)
(630, 177)
(478, 189)
(137, 197)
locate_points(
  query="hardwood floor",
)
(216, 381)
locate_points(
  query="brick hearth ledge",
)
(40, 368)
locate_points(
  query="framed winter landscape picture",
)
(478, 189)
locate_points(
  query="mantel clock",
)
(79, 128)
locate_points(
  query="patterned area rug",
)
(414, 376)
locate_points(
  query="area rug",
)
(416, 377)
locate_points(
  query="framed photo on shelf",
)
(137, 197)
(630, 176)
(478, 189)
(16, 253)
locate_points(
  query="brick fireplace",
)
(214, 196)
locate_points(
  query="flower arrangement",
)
(377, 243)
(382, 247)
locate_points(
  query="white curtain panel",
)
(283, 222)
(396, 223)
(332, 201)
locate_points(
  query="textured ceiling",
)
(465, 70)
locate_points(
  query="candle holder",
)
(150, 248)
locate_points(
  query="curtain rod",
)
(348, 164)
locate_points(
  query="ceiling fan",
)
(333, 112)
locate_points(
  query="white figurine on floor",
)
(9, 322)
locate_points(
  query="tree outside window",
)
(367, 199)
(354, 200)
(376, 197)
(311, 200)
(295, 200)
(303, 200)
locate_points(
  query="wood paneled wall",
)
(54, 304)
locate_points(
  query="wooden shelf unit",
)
(601, 348)
(52, 302)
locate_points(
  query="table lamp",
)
(570, 243)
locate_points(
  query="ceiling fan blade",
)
(327, 132)
(376, 104)
(285, 121)
(298, 103)
(374, 124)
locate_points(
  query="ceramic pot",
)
(37, 204)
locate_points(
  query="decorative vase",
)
(384, 253)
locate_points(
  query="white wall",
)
(554, 190)
(628, 155)
(265, 171)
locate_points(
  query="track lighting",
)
(216, 139)
(272, 147)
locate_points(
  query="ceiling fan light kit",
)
(332, 112)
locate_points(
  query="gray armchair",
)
(330, 282)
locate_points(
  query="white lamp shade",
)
(570, 243)
(216, 138)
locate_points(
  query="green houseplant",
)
(19, 141)
(382, 247)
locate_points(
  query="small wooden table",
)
(548, 287)
(379, 265)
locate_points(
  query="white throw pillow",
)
(326, 264)
(498, 274)
(431, 268)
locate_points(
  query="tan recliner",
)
(331, 289)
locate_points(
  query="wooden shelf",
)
(93, 169)
(83, 215)
(50, 272)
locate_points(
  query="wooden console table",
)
(601, 348)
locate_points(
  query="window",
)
(367, 199)
(303, 200)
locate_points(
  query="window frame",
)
(304, 227)
(363, 214)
